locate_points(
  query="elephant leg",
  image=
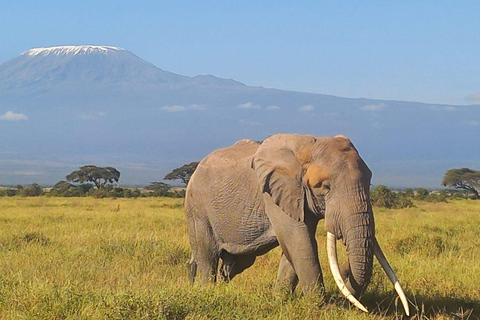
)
(298, 243)
(286, 277)
(192, 264)
(234, 264)
(301, 251)
(205, 255)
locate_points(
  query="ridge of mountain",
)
(43, 69)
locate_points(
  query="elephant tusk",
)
(391, 275)
(332, 259)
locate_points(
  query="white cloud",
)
(28, 172)
(196, 107)
(271, 108)
(445, 108)
(179, 108)
(248, 105)
(374, 107)
(174, 108)
(473, 123)
(307, 108)
(90, 116)
(474, 97)
(12, 116)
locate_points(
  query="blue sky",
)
(403, 50)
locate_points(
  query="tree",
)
(422, 193)
(97, 175)
(465, 179)
(159, 189)
(381, 196)
(183, 173)
(34, 191)
(65, 189)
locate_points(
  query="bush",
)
(421, 194)
(437, 197)
(65, 189)
(383, 197)
(33, 191)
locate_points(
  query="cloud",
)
(90, 116)
(272, 108)
(179, 108)
(474, 97)
(451, 108)
(445, 108)
(374, 107)
(12, 116)
(28, 172)
(307, 108)
(473, 123)
(248, 105)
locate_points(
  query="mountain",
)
(62, 107)
(43, 69)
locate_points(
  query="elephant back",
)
(231, 155)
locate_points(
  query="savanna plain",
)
(86, 258)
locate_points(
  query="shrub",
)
(383, 197)
(65, 189)
(421, 193)
(33, 191)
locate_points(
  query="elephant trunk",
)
(359, 240)
(352, 221)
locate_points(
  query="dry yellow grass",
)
(84, 258)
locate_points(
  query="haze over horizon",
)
(103, 105)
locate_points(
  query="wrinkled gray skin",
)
(244, 200)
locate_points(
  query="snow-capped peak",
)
(70, 50)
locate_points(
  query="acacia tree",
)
(92, 174)
(159, 188)
(465, 178)
(183, 173)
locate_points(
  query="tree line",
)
(99, 182)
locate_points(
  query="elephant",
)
(246, 199)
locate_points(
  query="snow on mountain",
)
(70, 50)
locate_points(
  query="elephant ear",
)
(280, 172)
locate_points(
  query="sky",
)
(423, 51)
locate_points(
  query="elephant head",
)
(306, 176)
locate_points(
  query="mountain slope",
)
(63, 107)
(43, 68)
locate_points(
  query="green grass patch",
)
(85, 258)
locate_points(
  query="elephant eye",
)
(323, 184)
(318, 185)
(322, 188)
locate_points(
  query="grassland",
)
(84, 258)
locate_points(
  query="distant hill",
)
(62, 107)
